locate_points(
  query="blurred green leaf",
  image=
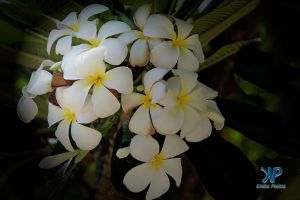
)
(215, 22)
(224, 52)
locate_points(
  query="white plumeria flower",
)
(73, 26)
(156, 165)
(179, 47)
(142, 120)
(114, 50)
(39, 83)
(55, 160)
(189, 104)
(85, 138)
(93, 75)
(139, 52)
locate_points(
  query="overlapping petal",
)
(111, 28)
(115, 51)
(62, 134)
(140, 122)
(143, 148)
(173, 146)
(91, 10)
(139, 53)
(164, 55)
(120, 79)
(85, 138)
(141, 15)
(159, 26)
(104, 102)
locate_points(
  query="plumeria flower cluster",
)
(98, 83)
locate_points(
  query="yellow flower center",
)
(147, 101)
(95, 42)
(97, 78)
(75, 27)
(157, 161)
(178, 43)
(69, 115)
(142, 37)
(182, 100)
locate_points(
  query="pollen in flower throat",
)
(97, 78)
(69, 115)
(75, 27)
(157, 161)
(95, 42)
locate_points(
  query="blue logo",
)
(271, 174)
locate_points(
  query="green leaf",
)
(224, 52)
(21, 57)
(221, 18)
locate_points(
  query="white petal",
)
(91, 10)
(173, 146)
(76, 94)
(141, 15)
(115, 51)
(123, 152)
(174, 169)
(187, 60)
(54, 35)
(159, 26)
(164, 55)
(111, 28)
(129, 37)
(158, 91)
(45, 63)
(53, 161)
(197, 100)
(71, 60)
(214, 114)
(184, 28)
(104, 102)
(40, 82)
(54, 114)
(86, 114)
(168, 120)
(144, 148)
(194, 44)
(89, 62)
(87, 31)
(175, 84)
(130, 101)
(159, 185)
(70, 20)
(188, 80)
(85, 138)
(152, 77)
(140, 122)
(60, 97)
(191, 119)
(26, 93)
(120, 79)
(26, 109)
(139, 53)
(170, 99)
(153, 42)
(62, 134)
(205, 91)
(138, 178)
(201, 132)
(63, 45)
